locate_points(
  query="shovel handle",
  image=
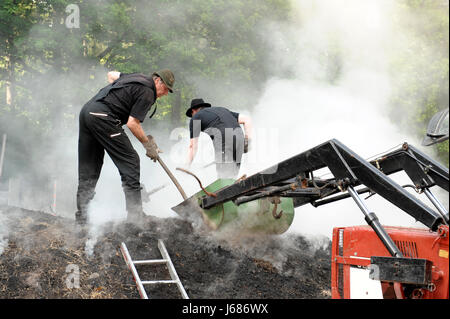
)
(174, 180)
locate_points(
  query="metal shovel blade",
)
(188, 208)
(191, 211)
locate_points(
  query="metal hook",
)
(276, 201)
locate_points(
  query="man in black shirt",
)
(125, 101)
(223, 127)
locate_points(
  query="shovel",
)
(174, 180)
(189, 208)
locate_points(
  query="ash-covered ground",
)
(50, 257)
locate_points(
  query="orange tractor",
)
(407, 262)
(371, 261)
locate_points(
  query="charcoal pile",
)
(50, 257)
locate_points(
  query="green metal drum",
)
(266, 215)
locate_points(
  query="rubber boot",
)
(81, 217)
(85, 194)
(133, 202)
(81, 222)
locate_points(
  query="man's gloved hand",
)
(246, 144)
(152, 148)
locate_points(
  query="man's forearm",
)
(192, 151)
(248, 130)
(190, 157)
(248, 126)
(135, 127)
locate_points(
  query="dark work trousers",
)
(228, 154)
(101, 131)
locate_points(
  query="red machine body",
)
(353, 247)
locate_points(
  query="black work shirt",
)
(133, 99)
(213, 117)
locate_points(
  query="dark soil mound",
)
(43, 256)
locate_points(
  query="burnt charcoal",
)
(45, 256)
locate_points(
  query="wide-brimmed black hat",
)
(196, 103)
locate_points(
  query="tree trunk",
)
(10, 69)
(8, 93)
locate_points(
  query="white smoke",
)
(306, 108)
(330, 79)
(4, 233)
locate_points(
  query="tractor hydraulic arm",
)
(294, 178)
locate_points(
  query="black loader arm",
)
(294, 177)
(423, 171)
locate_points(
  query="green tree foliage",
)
(48, 70)
(55, 67)
(421, 70)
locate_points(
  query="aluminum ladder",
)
(166, 259)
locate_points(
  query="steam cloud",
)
(329, 79)
(308, 109)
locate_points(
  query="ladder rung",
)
(150, 261)
(140, 284)
(151, 282)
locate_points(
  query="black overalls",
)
(100, 130)
(227, 136)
